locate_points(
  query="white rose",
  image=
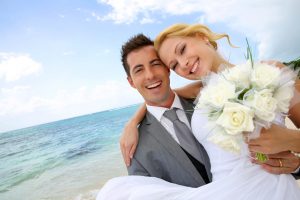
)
(239, 74)
(227, 142)
(264, 75)
(283, 95)
(216, 95)
(264, 105)
(236, 118)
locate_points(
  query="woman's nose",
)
(184, 63)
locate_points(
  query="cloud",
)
(20, 100)
(271, 23)
(15, 66)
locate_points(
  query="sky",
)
(61, 58)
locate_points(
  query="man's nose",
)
(149, 73)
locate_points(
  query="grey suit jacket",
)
(159, 155)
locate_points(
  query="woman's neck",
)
(219, 61)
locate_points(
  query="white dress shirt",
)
(158, 112)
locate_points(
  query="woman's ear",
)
(203, 37)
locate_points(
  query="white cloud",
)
(14, 66)
(20, 100)
(147, 20)
(270, 23)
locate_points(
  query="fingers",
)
(276, 170)
(270, 162)
(280, 163)
(125, 149)
(282, 155)
(127, 155)
(261, 149)
(122, 147)
(273, 166)
(132, 151)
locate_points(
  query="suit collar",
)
(158, 112)
(164, 138)
(179, 102)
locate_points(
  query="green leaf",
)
(249, 53)
(294, 64)
(261, 157)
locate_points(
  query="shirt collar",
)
(158, 112)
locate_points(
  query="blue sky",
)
(61, 58)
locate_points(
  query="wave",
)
(35, 172)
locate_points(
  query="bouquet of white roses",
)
(245, 98)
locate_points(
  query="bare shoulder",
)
(275, 63)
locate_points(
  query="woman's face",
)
(189, 57)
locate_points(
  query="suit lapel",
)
(164, 138)
(188, 108)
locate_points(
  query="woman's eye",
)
(174, 67)
(182, 49)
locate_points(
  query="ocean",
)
(63, 160)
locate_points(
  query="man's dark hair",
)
(134, 43)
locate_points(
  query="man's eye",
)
(157, 63)
(137, 70)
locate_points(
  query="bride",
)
(190, 51)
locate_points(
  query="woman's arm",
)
(189, 91)
(294, 113)
(130, 136)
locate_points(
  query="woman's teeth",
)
(195, 67)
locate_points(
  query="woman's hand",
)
(280, 163)
(129, 141)
(273, 140)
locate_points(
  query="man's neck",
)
(167, 103)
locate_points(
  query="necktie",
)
(184, 134)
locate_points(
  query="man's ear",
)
(130, 82)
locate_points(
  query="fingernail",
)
(131, 156)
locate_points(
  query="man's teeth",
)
(153, 85)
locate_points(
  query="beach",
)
(65, 160)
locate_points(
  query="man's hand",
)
(280, 163)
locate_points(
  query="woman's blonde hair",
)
(186, 30)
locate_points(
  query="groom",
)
(159, 152)
(162, 152)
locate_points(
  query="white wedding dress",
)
(234, 177)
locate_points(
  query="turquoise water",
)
(67, 159)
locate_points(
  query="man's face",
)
(149, 76)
